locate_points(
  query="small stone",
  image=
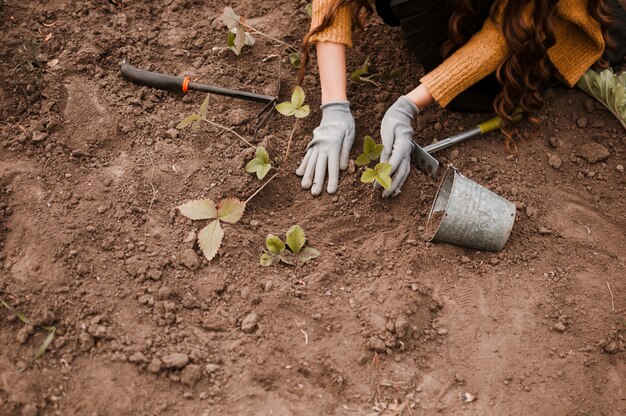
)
(102, 209)
(172, 133)
(138, 358)
(268, 285)
(191, 375)
(376, 345)
(190, 259)
(245, 293)
(531, 212)
(351, 167)
(544, 231)
(249, 323)
(582, 122)
(211, 368)
(559, 327)
(619, 168)
(555, 162)
(467, 398)
(459, 378)
(464, 260)
(39, 136)
(175, 361)
(593, 152)
(401, 326)
(442, 332)
(611, 347)
(86, 341)
(191, 237)
(155, 366)
(145, 299)
(82, 269)
(154, 274)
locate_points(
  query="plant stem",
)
(293, 131)
(288, 46)
(262, 186)
(284, 163)
(230, 130)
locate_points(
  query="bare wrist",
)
(420, 97)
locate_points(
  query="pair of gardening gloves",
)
(329, 151)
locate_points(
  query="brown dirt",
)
(91, 242)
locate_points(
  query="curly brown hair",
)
(526, 69)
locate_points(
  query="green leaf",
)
(368, 176)
(260, 164)
(307, 254)
(267, 259)
(295, 60)
(17, 313)
(297, 97)
(295, 239)
(288, 257)
(356, 75)
(201, 209)
(286, 108)
(204, 107)
(309, 9)
(46, 343)
(303, 111)
(363, 160)
(609, 89)
(380, 173)
(210, 239)
(230, 210)
(188, 121)
(274, 244)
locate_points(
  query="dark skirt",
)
(425, 28)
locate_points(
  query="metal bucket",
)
(469, 215)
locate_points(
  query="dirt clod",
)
(191, 375)
(555, 162)
(593, 152)
(175, 361)
(249, 323)
(559, 327)
(376, 345)
(189, 258)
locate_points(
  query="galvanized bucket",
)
(469, 215)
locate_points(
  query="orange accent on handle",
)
(186, 85)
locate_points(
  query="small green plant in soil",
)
(362, 74)
(381, 173)
(46, 342)
(292, 253)
(260, 164)
(229, 210)
(296, 106)
(371, 152)
(609, 89)
(239, 36)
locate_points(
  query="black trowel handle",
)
(175, 83)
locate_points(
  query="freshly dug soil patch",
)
(92, 169)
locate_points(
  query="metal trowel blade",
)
(424, 162)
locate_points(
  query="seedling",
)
(260, 164)
(609, 89)
(293, 253)
(239, 36)
(229, 210)
(362, 74)
(381, 174)
(46, 342)
(371, 152)
(192, 119)
(296, 106)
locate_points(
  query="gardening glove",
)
(397, 137)
(329, 149)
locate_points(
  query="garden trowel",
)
(422, 158)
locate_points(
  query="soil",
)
(92, 168)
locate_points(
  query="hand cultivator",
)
(173, 83)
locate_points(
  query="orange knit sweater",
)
(579, 43)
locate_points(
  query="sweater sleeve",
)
(479, 57)
(340, 30)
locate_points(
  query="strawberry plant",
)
(260, 164)
(371, 152)
(292, 253)
(362, 74)
(381, 173)
(229, 210)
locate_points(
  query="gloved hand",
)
(329, 149)
(397, 134)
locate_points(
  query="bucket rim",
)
(451, 170)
